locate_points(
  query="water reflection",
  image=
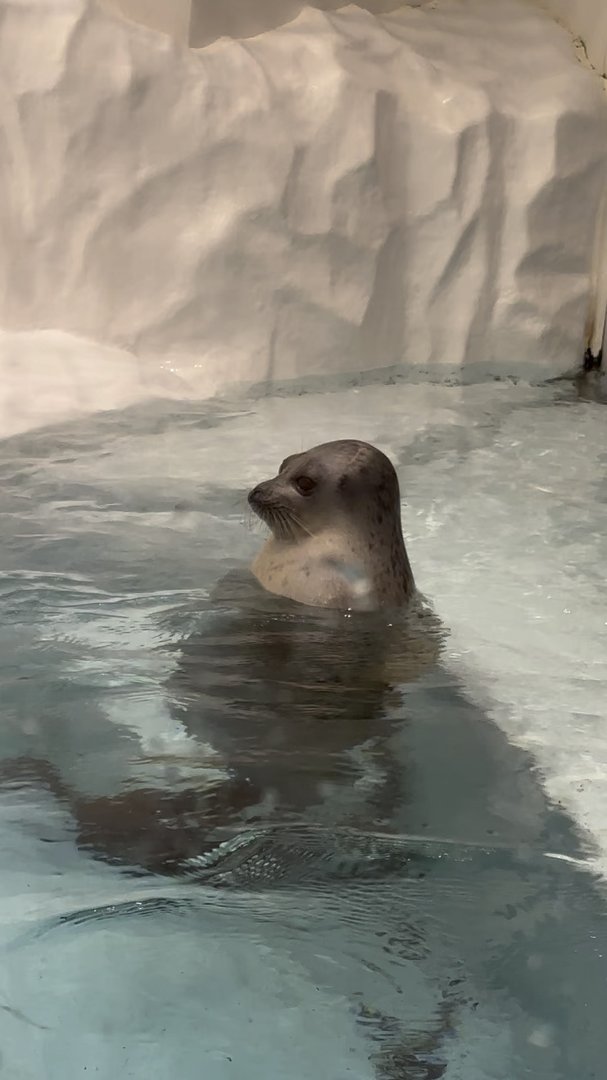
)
(340, 764)
(298, 710)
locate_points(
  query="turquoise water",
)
(244, 839)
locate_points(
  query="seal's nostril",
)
(253, 496)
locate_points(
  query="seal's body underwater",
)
(337, 541)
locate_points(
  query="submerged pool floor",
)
(242, 839)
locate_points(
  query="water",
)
(241, 839)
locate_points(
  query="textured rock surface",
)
(346, 192)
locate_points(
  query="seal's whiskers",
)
(300, 524)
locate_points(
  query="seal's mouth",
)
(278, 517)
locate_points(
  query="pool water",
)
(241, 838)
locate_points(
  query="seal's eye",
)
(305, 485)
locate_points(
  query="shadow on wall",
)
(199, 22)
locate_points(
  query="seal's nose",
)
(254, 496)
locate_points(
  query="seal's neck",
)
(389, 568)
(375, 565)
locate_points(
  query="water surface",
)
(246, 839)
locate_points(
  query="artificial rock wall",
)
(350, 189)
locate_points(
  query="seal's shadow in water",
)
(302, 703)
(350, 720)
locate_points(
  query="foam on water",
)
(114, 532)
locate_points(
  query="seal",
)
(337, 539)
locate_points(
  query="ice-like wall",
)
(587, 19)
(353, 189)
(198, 22)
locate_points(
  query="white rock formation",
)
(348, 191)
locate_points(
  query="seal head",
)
(336, 535)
